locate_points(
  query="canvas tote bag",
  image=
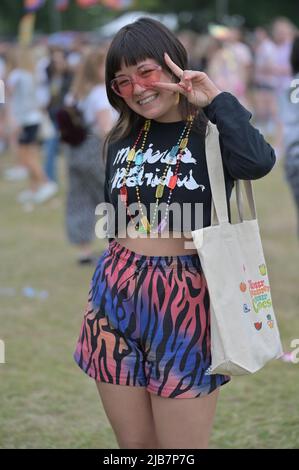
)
(244, 332)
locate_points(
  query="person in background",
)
(189, 39)
(283, 32)
(289, 135)
(290, 119)
(203, 50)
(59, 79)
(237, 42)
(263, 86)
(230, 64)
(8, 128)
(86, 171)
(47, 130)
(26, 116)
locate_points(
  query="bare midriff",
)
(174, 245)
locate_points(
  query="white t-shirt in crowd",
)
(23, 101)
(94, 102)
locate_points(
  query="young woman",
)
(145, 337)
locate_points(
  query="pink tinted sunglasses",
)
(145, 76)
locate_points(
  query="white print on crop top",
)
(149, 174)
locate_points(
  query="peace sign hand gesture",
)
(196, 86)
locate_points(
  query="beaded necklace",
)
(175, 155)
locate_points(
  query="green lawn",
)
(47, 402)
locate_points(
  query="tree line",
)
(193, 14)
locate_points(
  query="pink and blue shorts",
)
(147, 324)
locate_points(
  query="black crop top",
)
(245, 155)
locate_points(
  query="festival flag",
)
(26, 29)
(33, 5)
(87, 3)
(61, 5)
(117, 4)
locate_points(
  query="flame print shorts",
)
(147, 324)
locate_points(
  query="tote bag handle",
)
(250, 198)
(219, 210)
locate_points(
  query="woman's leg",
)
(129, 411)
(30, 158)
(184, 423)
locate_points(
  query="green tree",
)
(194, 14)
(48, 19)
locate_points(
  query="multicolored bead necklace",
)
(175, 155)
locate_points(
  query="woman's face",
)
(162, 107)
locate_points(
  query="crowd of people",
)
(39, 83)
(256, 66)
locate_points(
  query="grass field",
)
(47, 402)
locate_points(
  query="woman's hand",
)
(196, 86)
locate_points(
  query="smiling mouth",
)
(148, 99)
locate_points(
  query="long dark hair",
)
(145, 38)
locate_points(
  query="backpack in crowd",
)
(71, 125)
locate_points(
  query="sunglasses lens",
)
(122, 87)
(148, 75)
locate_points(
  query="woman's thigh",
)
(129, 411)
(184, 423)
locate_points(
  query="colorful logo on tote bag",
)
(259, 292)
(258, 325)
(270, 322)
(246, 309)
(263, 269)
(243, 287)
(260, 295)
